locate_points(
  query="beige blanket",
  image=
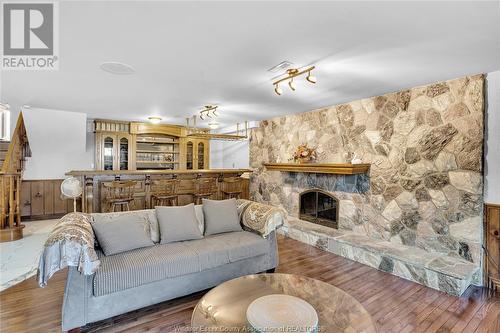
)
(71, 243)
(260, 218)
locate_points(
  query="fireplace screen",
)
(319, 207)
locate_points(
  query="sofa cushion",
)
(123, 233)
(149, 216)
(178, 223)
(220, 216)
(142, 266)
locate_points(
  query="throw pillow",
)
(220, 216)
(123, 233)
(149, 216)
(177, 223)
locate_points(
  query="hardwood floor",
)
(396, 305)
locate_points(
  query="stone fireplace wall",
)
(425, 146)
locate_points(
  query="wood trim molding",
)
(337, 168)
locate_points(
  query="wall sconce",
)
(292, 73)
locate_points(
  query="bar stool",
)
(203, 188)
(119, 193)
(232, 187)
(167, 194)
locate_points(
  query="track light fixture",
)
(311, 78)
(292, 73)
(210, 111)
(277, 89)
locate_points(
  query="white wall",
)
(60, 141)
(216, 154)
(231, 154)
(492, 140)
(236, 154)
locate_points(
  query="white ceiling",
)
(188, 54)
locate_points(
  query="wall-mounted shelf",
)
(335, 168)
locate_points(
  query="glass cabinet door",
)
(123, 156)
(189, 155)
(201, 155)
(108, 153)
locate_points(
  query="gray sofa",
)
(130, 280)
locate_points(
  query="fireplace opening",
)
(319, 207)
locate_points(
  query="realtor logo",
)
(30, 36)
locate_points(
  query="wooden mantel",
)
(336, 168)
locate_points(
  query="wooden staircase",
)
(12, 155)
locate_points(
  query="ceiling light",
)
(117, 68)
(154, 120)
(291, 73)
(208, 111)
(311, 78)
(213, 125)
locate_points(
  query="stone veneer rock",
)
(425, 144)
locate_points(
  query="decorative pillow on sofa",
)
(220, 216)
(178, 223)
(149, 216)
(123, 233)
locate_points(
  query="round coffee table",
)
(223, 309)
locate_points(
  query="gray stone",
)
(392, 212)
(410, 219)
(410, 184)
(438, 198)
(445, 162)
(392, 191)
(383, 149)
(408, 237)
(386, 128)
(464, 252)
(436, 181)
(411, 155)
(470, 204)
(391, 109)
(469, 156)
(437, 89)
(456, 111)
(346, 115)
(421, 194)
(440, 226)
(433, 118)
(431, 144)
(468, 181)
(386, 265)
(379, 102)
(403, 99)
(407, 201)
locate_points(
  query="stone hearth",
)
(438, 271)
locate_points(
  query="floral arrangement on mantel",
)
(304, 154)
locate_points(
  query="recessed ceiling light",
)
(117, 68)
(280, 67)
(154, 120)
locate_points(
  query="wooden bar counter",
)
(92, 180)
